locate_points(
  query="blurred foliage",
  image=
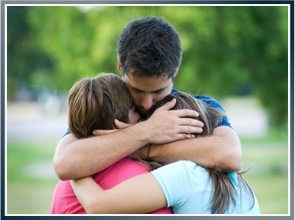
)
(230, 50)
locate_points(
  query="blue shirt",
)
(187, 190)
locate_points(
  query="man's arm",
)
(221, 150)
(75, 158)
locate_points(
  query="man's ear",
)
(120, 67)
(176, 72)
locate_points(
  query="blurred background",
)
(237, 55)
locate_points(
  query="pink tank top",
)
(65, 201)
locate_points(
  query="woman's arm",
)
(140, 194)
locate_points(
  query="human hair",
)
(149, 47)
(222, 186)
(208, 115)
(95, 102)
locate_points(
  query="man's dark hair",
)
(149, 47)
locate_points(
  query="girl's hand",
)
(118, 124)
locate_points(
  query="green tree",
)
(228, 50)
(24, 56)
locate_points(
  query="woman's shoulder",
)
(187, 164)
(182, 170)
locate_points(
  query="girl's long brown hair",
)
(222, 186)
(95, 102)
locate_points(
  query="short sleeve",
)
(213, 103)
(68, 132)
(176, 181)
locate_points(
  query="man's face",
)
(147, 91)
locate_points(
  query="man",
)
(149, 56)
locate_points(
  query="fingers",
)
(188, 136)
(120, 124)
(189, 130)
(190, 122)
(102, 132)
(167, 106)
(183, 137)
(186, 113)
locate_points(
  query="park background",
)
(235, 54)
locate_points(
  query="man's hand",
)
(165, 126)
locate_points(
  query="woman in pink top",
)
(94, 103)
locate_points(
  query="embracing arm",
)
(75, 158)
(221, 150)
(140, 194)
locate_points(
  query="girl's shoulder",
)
(183, 170)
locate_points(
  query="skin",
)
(75, 158)
(165, 130)
(147, 91)
(133, 116)
(114, 200)
(222, 149)
(139, 194)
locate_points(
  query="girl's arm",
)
(140, 194)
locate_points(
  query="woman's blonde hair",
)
(94, 103)
(223, 190)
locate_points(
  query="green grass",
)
(268, 156)
(271, 191)
(26, 194)
(29, 197)
(268, 175)
(20, 154)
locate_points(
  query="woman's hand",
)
(119, 125)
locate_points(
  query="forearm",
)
(140, 194)
(221, 150)
(87, 156)
(85, 189)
